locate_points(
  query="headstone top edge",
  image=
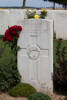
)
(36, 21)
(47, 20)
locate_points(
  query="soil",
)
(57, 97)
(5, 96)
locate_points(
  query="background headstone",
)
(60, 24)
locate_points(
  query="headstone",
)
(9, 18)
(35, 59)
(3, 21)
(16, 16)
(60, 24)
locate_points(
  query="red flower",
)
(13, 28)
(9, 38)
(4, 38)
(14, 32)
(17, 35)
(19, 28)
(7, 32)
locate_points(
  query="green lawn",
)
(64, 44)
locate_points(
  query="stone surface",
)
(35, 59)
(60, 24)
(10, 17)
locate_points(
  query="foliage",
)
(65, 98)
(1, 36)
(9, 75)
(60, 73)
(64, 2)
(32, 14)
(22, 90)
(55, 44)
(54, 35)
(39, 96)
(43, 14)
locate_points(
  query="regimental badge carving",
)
(33, 52)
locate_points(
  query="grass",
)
(64, 44)
(60, 73)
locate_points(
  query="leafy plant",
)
(39, 96)
(60, 73)
(22, 90)
(30, 13)
(54, 35)
(1, 36)
(43, 14)
(9, 75)
(65, 98)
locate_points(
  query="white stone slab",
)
(60, 24)
(9, 18)
(3, 21)
(35, 59)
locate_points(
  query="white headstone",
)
(3, 21)
(60, 24)
(35, 59)
(9, 18)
